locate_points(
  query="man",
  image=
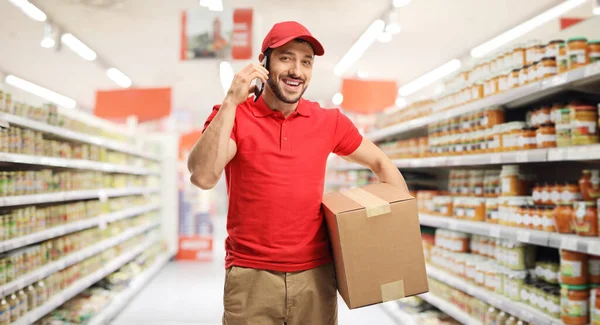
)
(274, 151)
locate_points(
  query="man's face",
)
(290, 70)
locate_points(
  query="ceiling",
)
(141, 38)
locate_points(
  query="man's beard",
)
(279, 92)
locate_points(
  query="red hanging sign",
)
(241, 40)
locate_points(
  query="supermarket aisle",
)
(186, 293)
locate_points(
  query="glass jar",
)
(573, 268)
(552, 49)
(594, 269)
(584, 125)
(594, 51)
(570, 193)
(527, 138)
(563, 127)
(548, 219)
(545, 136)
(589, 184)
(555, 193)
(512, 181)
(563, 214)
(513, 78)
(523, 75)
(575, 304)
(577, 50)
(562, 60)
(585, 218)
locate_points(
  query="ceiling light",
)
(214, 5)
(41, 91)
(118, 77)
(393, 28)
(429, 77)
(401, 3)
(337, 99)
(47, 43)
(401, 102)
(524, 28)
(596, 9)
(359, 47)
(384, 37)
(30, 10)
(78, 47)
(226, 75)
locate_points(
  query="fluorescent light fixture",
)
(359, 47)
(362, 74)
(393, 28)
(118, 77)
(401, 3)
(30, 10)
(213, 5)
(384, 37)
(524, 28)
(337, 99)
(596, 9)
(78, 47)
(401, 102)
(226, 75)
(430, 77)
(40, 91)
(47, 43)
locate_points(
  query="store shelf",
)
(450, 309)
(67, 134)
(398, 315)
(7, 201)
(23, 241)
(517, 309)
(72, 163)
(590, 245)
(514, 97)
(579, 153)
(123, 298)
(82, 284)
(74, 258)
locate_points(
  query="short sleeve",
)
(212, 116)
(347, 138)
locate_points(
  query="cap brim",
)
(316, 45)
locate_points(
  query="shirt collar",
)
(260, 108)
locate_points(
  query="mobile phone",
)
(260, 86)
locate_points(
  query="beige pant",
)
(258, 297)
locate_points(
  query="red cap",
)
(284, 32)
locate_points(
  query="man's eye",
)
(285, 58)
(307, 63)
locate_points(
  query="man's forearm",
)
(209, 155)
(388, 173)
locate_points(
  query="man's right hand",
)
(241, 86)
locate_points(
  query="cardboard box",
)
(376, 242)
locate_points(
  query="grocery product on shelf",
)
(86, 305)
(24, 221)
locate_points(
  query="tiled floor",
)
(186, 293)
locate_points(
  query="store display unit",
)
(450, 309)
(510, 98)
(577, 153)
(518, 309)
(125, 153)
(82, 284)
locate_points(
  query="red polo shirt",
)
(275, 184)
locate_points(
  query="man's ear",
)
(261, 56)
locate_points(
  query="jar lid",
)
(561, 45)
(574, 287)
(545, 125)
(557, 41)
(576, 39)
(549, 58)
